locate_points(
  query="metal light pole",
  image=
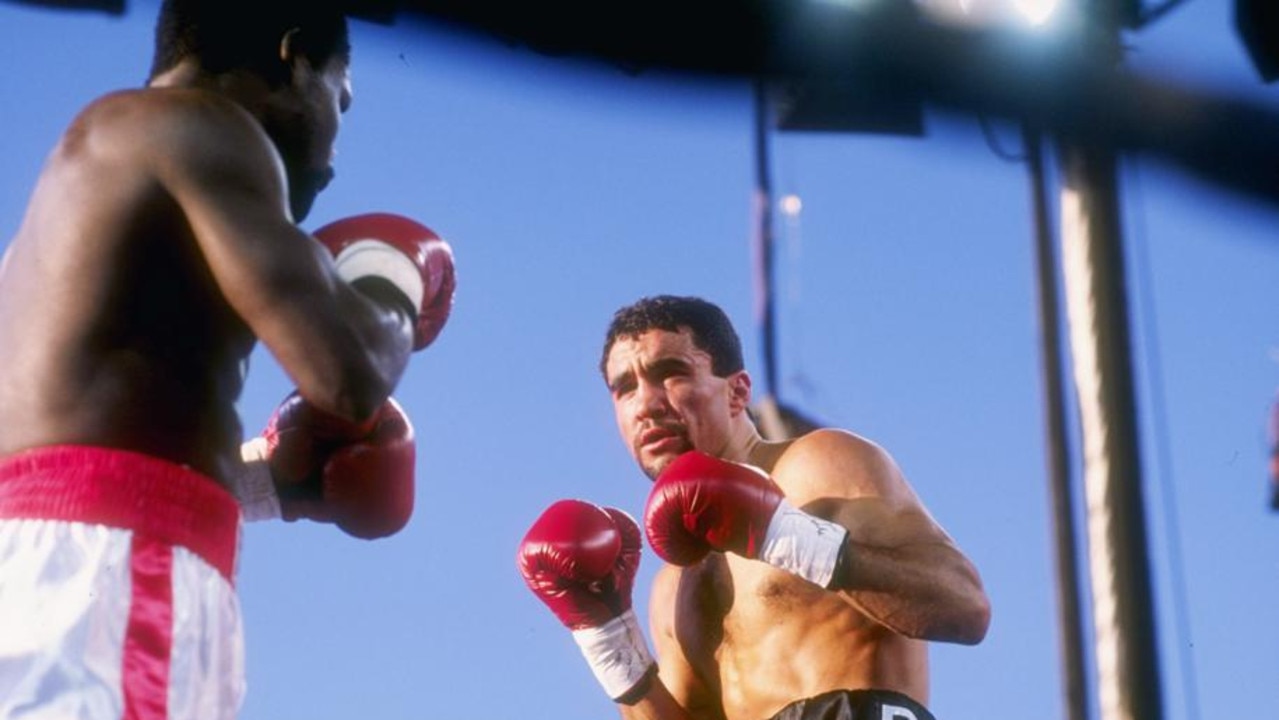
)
(766, 305)
(1069, 613)
(1093, 260)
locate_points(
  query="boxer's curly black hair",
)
(709, 326)
(225, 35)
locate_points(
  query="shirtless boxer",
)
(159, 245)
(803, 577)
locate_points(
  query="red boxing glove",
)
(404, 252)
(299, 438)
(701, 503)
(358, 476)
(580, 560)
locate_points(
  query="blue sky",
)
(907, 314)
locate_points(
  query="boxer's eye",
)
(623, 387)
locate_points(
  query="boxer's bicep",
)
(231, 189)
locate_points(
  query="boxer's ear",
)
(739, 389)
(288, 46)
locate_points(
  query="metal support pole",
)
(1069, 613)
(1125, 646)
(1123, 616)
(766, 306)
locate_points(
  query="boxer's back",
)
(114, 332)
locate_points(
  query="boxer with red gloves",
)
(311, 464)
(580, 560)
(160, 249)
(402, 252)
(804, 576)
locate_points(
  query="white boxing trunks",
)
(117, 597)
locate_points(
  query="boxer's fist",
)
(403, 252)
(299, 437)
(701, 503)
(580, 560)
(358, 476)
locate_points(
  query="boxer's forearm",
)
(928, 591)
(899, 568)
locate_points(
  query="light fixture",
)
(991, 13)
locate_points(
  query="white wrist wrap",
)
(800, 543)
(366, 258)
(616, 652)
(254, 488)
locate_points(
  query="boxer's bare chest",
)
(734, 615)
(125, 339)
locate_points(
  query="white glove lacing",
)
(616, 652)
(254, 488)
(803, 544)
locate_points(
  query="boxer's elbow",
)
(971, 620)
(959, 621)
(956, 608)
(968, 609)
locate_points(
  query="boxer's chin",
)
(304, 188)
(653, 465)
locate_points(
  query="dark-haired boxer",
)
(803, 577)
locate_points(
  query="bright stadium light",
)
(1036, 12)
(854, 4)
(991, 13)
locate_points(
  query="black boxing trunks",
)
(855, 705)
(116, 588)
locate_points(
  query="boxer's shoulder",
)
(160, 132)
(831, 461)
